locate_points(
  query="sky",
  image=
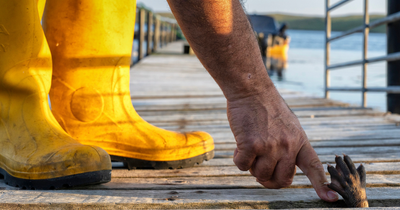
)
(299, 7)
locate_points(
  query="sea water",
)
(306, 66)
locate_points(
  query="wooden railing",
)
(151, 32)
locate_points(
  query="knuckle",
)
(242, 168)
(242, 163)
(281, 183)
(285, 182)
(314, 165)
(270, 145)
(255, 147)
(248, 145)
(262, 175)
(286, 143)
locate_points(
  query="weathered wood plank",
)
(244, 198)
(333, 150)
(228, 182)
(322, 128)
(357, 158)
(225, 135)
(222, 117)
(337, 143)
(371, 168)
(222, 106)
(299, 114)
(223, 128)
(139, 97)
(221, 101)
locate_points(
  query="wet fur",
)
(349, 182)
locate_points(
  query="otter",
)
(348, 181)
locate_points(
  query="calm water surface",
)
(306, 66)
(305, 71)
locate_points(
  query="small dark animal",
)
(349, 182)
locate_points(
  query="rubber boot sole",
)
(89, 178)
(132, 163)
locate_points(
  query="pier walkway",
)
(174, 91)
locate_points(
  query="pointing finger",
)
(310, 164)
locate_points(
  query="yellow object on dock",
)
(90, 92)
(35, 152)
(279, 51)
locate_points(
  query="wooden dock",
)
(174, 91)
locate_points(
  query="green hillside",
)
(318, 23)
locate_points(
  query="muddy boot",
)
(91, 44)
(35, 152)
(349, 182)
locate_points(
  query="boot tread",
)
(89, 178)
(132, 163)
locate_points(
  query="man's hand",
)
(269, 137)
(271, 142)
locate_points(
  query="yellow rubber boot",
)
(35, 152)
(90, 93)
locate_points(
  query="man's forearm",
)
(221, 36)
(269, 137)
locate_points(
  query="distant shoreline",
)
(300, 22)
(343, 23)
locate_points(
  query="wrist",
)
(268, 98)
(260, 91)
(251, 85)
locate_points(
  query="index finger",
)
(308, 161)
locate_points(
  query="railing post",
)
(393, 45)
(327, 47)
(156, 35)
(149, 32)
(164, 32)
(365, 54)
(168, 33)
(165, 35)
(162, 29)
(172, 32)
(175, 32)
(141, 33)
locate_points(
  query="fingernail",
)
(332, 195)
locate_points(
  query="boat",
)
(273, 41)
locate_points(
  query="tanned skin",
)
(270, 140)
